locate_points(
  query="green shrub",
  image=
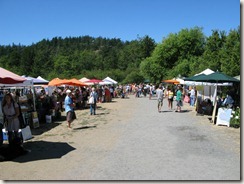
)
(235, 119)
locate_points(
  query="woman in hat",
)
(69, 108)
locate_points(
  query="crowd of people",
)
(69, 99)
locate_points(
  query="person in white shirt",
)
(160, 95)
(193, 96)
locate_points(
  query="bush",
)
(235, 118)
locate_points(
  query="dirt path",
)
(126, 141)
(43, 162)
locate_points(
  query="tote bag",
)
(91, 100)
(26, 133)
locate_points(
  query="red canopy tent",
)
(93, 81)
(7, 77)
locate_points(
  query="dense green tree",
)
(212, 54)
(184, 53)
(230, 52)
(173, 56)
(152, 70)
(26, 61)
(133, 77)
(147, 46)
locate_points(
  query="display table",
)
(223, 117)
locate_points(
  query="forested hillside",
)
(184, 53)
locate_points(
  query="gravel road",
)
(129, 139)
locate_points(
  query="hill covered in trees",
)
(184, 53)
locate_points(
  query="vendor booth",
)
(214, 79)
(24, 95)
(12, 82)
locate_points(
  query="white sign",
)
(224, 116)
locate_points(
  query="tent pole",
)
(215, 104)
(34, 98)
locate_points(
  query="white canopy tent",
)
(44, 80)
(108, 79)
(105, 83)
(84, 79)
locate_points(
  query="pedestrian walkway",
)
(168, 146)
(129, 140)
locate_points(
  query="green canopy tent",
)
(193, 78)
(216, 77)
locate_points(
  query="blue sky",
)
(30, 21)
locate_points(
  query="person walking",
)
(93, 105)
(160, 94)
(170, 95)
(69, 108)
(178, 98)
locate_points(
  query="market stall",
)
(216, 78)
(24, 93)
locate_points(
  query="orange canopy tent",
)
(172, 81)
(72, 82)
(55, 82)
(76, 82)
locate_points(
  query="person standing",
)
(93, 105)
(150, 92)
(11, 112)
(192, 96)
(69, 108)
(160, 94)
(178, 99)
(228, 102)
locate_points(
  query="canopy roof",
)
(44, 80)
(209, 77)
(93, 81)
(8, 77)
(216, 77)
(172, 81)
(84, 79)
(206, 72)
(71, 82)
(110, 80)
(194, 77)
(35, 80)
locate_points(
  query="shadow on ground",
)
(165, 111)
(44, 128)
(37, 150)
(183, 111)
(84, 127)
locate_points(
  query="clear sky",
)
(30, 21)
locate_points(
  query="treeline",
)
(184, 53)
